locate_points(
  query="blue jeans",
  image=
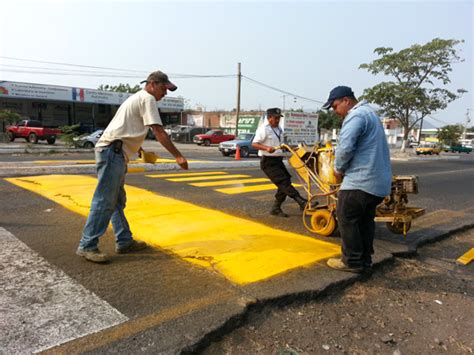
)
(108, 202)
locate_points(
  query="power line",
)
(126, 73)
(280, 90)
(437, 120)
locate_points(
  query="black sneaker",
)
(278, 213)
(134, 246)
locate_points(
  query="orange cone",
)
(237, 153)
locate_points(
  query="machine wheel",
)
(244, 152)
(207, 142)
(11, 136)
(33, 138)
(323, 222)
(88, 145)
(51, 140)
(397, 227)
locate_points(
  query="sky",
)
(300, 47)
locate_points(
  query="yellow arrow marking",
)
(243, 251)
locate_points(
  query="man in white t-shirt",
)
(268, 136)
(121, 140)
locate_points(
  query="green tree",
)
(420, 72)
(7, 117)
(328, 120)
(68, 134)
(120, 88)
(450, 134)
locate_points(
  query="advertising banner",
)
(248, 124)
(13, 89)
(301, 127)
(195, 120)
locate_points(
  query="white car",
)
(88, 141)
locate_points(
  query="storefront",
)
(57, 106)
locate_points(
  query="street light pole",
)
(239, 79)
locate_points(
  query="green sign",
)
(248, 124)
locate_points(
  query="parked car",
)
(243, 141)
(185, 134)
(458, 149)
(33, 131)
(88, 140)
(214, 136)
(428, 148)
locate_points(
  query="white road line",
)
(447, 172)
(41, 306)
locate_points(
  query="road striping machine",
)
(315, 168)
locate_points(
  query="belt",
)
(116, 146)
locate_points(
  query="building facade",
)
(57, 106)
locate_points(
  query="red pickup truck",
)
(32, 131)
(214, 136)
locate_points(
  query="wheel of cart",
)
(314, 169)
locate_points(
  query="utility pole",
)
(283, 102)
(468, 119)
(239, 79)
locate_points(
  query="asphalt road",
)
(155, 287)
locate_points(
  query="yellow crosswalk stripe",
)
(187, 174)
(246, 189)
(241, 250)
(211, 177)
(228, 182)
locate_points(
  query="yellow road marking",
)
(466, 258)
(187, 174)
(65, 161)
(243, 251)
(209, 177)
(136, 170)
(137, 161)
(245, 189)
(229, 182)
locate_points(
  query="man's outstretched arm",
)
(162, 137)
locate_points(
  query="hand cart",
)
(315, 169)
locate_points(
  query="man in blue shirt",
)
(363, 163)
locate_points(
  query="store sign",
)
(34, 91)
(248, 124)
(19, 90)
(301, 127)
(171, 104)
(195, 120)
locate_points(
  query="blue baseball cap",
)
(337, 93)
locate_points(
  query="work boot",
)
(338, 264)
(92, 255)
(277, 211)
(301, 202)
(135, 245)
